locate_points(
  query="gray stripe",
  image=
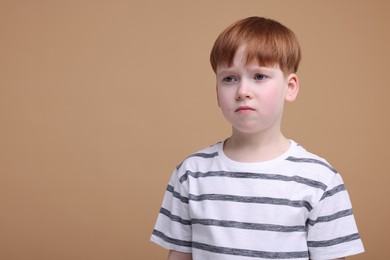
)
(232, 251)
(250, 226)
(250, 175)
(233, 224)
(202, 155)
(333, 191)
(241, 199)
(171, 240)
(329, 218)
(176, 194)
(311, 160)
(175, 217)
(259, 200)
(333, 242)
(250, 253)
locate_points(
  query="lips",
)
(244, 109)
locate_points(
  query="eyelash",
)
(257, 76)
(228, 79)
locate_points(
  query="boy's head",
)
(264, 40)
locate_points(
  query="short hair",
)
(263, 39)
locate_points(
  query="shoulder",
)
(202, 156)
(301, 155)
(310, 165)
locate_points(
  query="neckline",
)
(262, 164)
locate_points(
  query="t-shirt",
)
(295, 206)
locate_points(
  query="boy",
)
(256, 195)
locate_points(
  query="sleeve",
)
(331, 226)
(173, 226)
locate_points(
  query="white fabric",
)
(292, 207)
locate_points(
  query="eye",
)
(259, 76)
(229, 79)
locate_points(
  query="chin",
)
(247, 130)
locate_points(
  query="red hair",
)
(263, 39)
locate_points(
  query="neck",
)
(245, 147)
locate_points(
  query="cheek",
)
(272, 101)
(222, 99)
(224, 105)
(218, 99)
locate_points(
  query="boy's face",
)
(252, 97)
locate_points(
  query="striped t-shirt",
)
(292, 207)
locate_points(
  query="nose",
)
(243, 91)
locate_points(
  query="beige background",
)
(99, 100)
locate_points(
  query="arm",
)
(174, 255)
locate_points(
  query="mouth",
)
(244, 109)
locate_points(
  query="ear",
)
(292, 87)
